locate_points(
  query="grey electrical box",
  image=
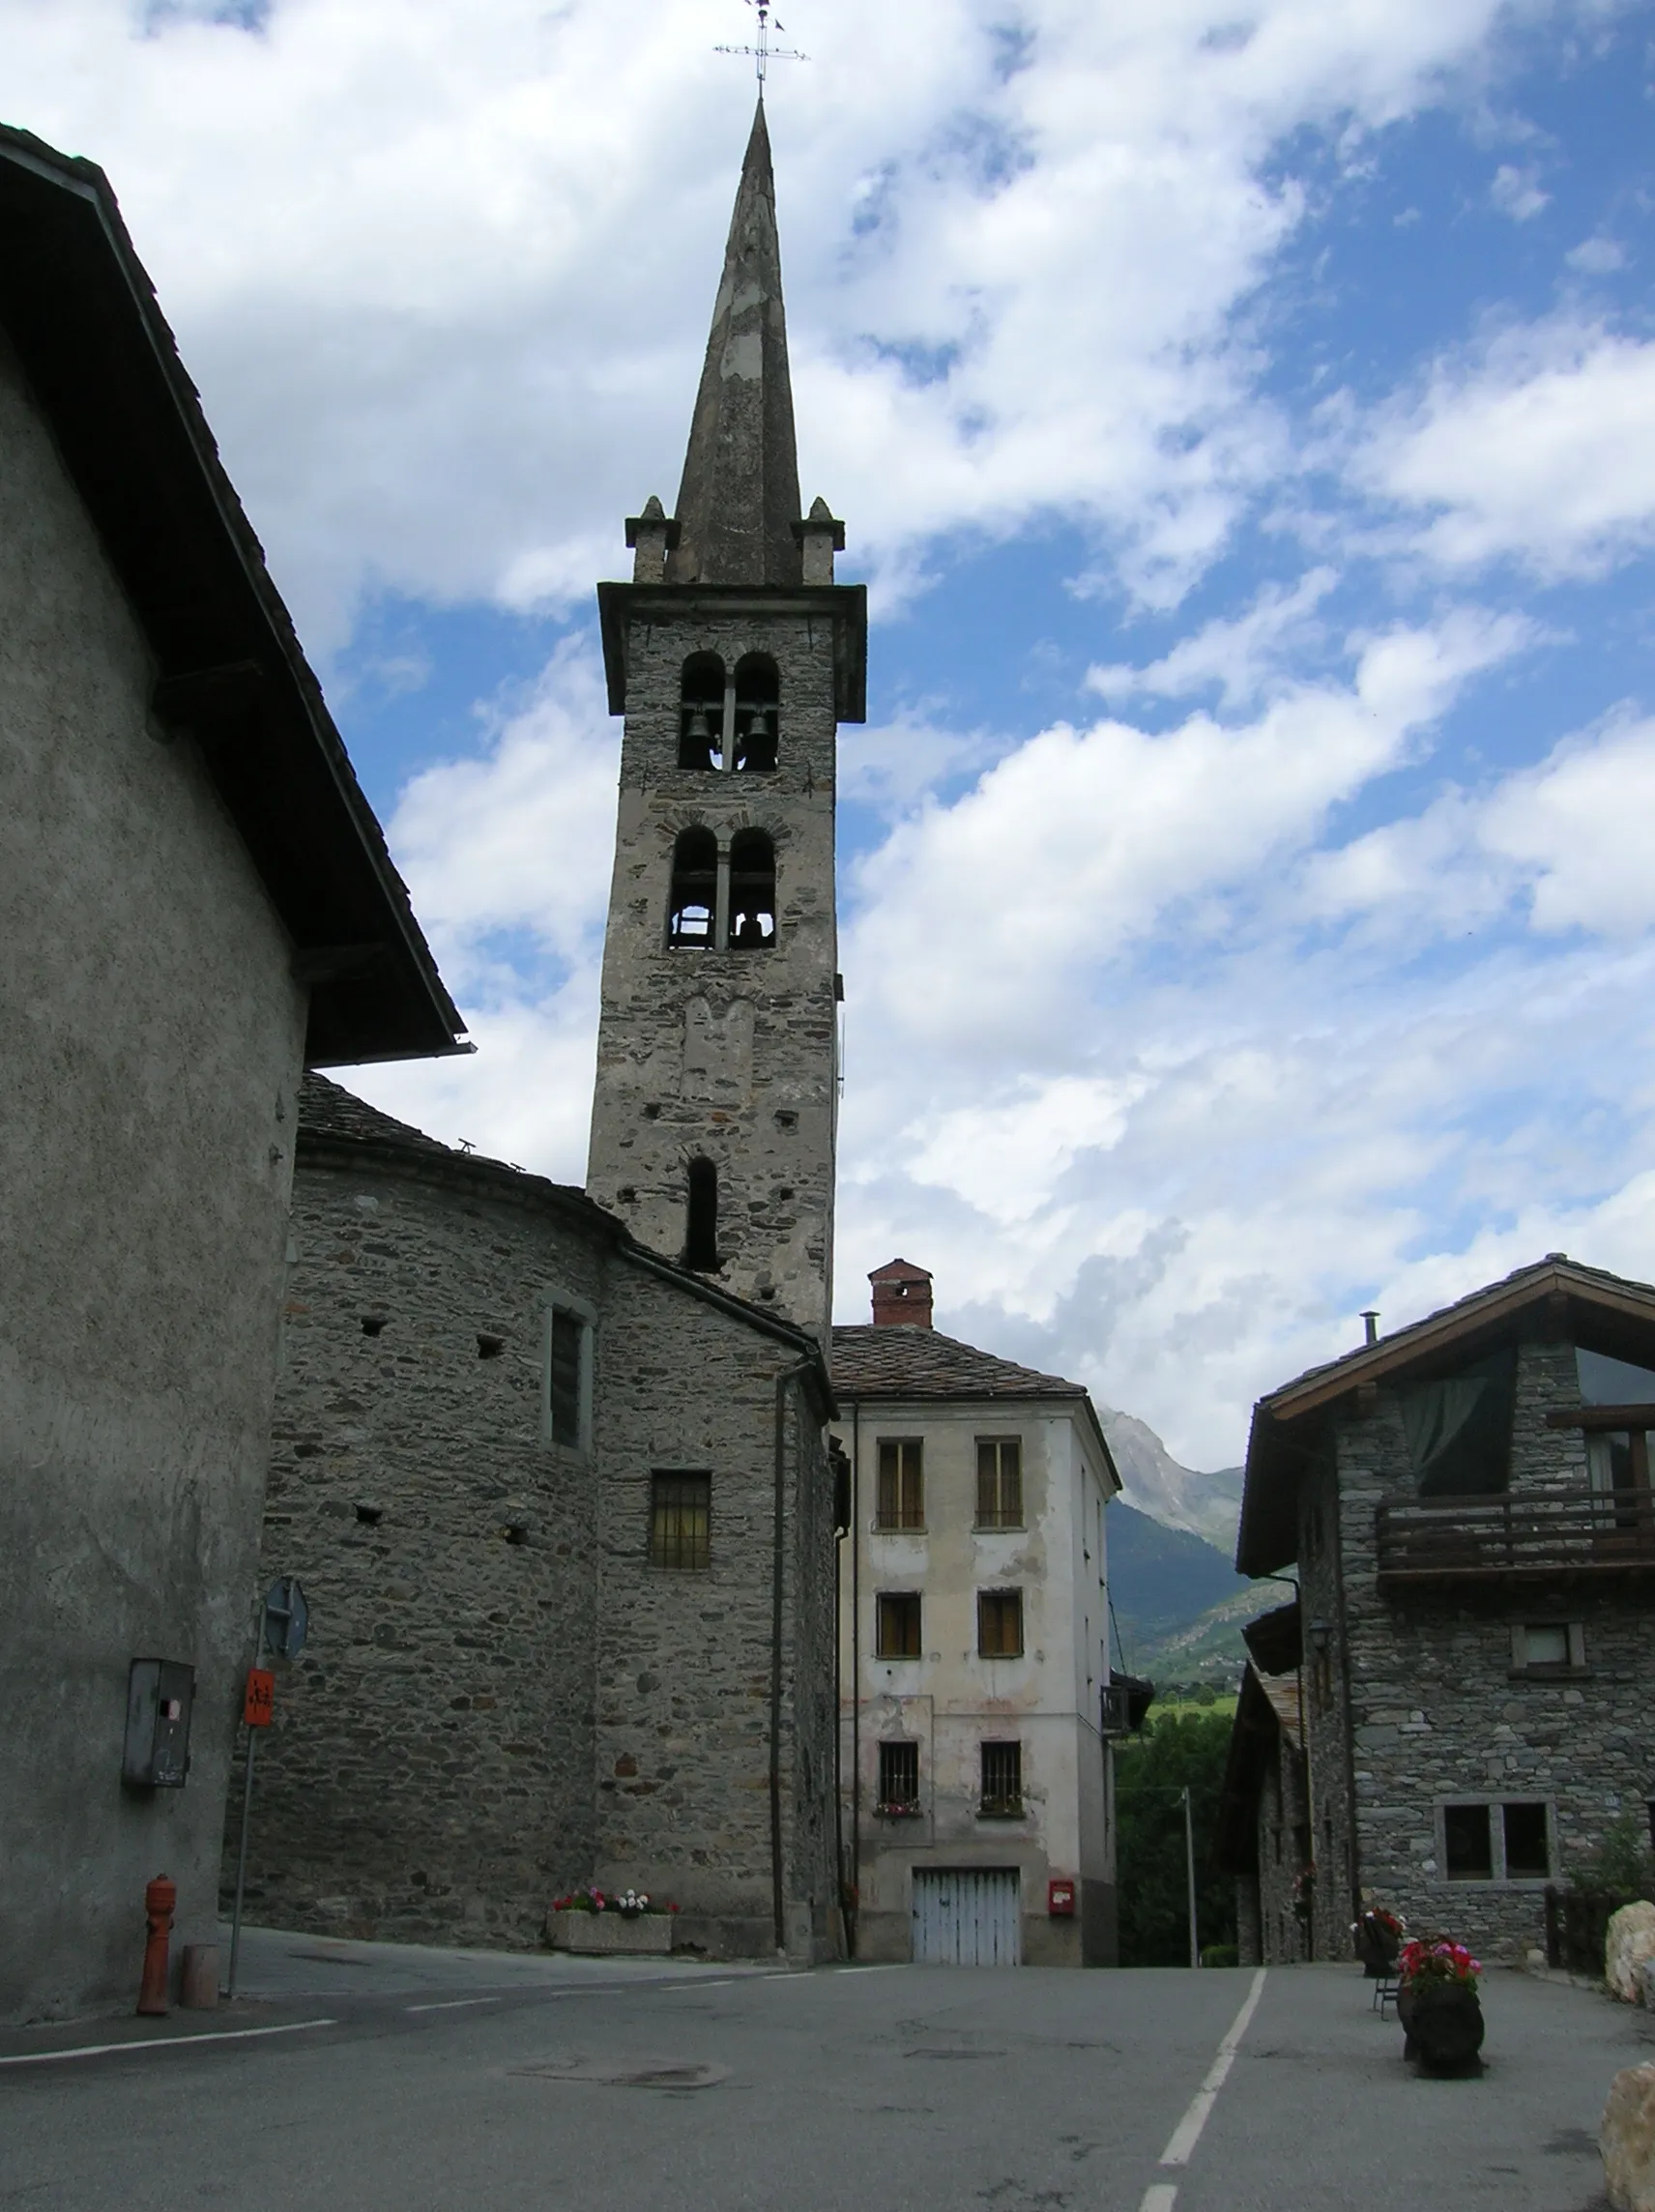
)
(159, 1694)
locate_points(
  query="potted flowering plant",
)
(1379, 1935)
(593, 1920)
(1438, 2004)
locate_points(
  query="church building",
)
(554, 1465)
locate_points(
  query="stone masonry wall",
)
(727, 1055)
(1331, 1810)
(429, 1770)
(1438, 1714)
(686, 1656)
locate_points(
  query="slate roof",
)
(80, 310)
(899, 1359)
(1603, 1312)
(330, 1114)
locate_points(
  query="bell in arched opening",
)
(694, 896)
(758, 708)
(701, 713)
(752, 892)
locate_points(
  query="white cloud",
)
(1076, 845)
(1244, 656)
(1516, 192)
(1596, 256)
(444, 275)
(1542, 449)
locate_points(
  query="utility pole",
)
(1189, 1872)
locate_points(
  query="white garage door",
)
(967, 1916)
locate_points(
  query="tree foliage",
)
(1179, 1750)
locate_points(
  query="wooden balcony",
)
(1527, 1535)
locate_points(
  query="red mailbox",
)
(1060, 1899)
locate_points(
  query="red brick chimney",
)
(902, 1293)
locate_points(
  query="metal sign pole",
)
(1189, 1871)
(247, 1820)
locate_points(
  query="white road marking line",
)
(162, 2043)
(453, 2004)
(1159, 2197)
(1187, 2133)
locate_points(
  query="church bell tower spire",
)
(733, 657)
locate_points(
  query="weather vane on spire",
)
(764, 53)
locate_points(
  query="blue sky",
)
(1243, 412)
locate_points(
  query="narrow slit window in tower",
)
(694, 888)
(701, 713)
(758, 703)
(701, 1230)
(752, 892)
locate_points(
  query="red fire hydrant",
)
(160, 1897)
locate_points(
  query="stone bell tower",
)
(733, 657)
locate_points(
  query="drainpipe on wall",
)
(778, 1566)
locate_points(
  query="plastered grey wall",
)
(1435, 1710)
(725, 1055)
(480, 1723)
(153, 1042)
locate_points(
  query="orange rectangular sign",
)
(260, 1700)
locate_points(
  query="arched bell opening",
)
(758, 709)
(695, 900)
(752, 892)
(701, 1218)
(701, 713)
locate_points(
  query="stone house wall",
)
(153, 1037)
(729, 1055)
(1437, 1711)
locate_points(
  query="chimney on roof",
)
(902, 1294)
(1371, 1324)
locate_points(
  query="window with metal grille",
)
(680, 1507)
(999, 1482)
(896, 1624)
(1001, 1778)
(999, 1624)
(898, 1777)
(563, 1383)
(901, 1483)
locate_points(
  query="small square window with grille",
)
(899, 1777)
(999, 1624)
(896, 1624)
(564, 1355)
(680, 1509)
(1001, 1778)
(901, 1483)
(999, 1482)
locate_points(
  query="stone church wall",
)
(725, 1054)
(685, 1657)
(429, 1774)
(500, 1696)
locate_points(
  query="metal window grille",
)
(901, 1483)
(567, 1329)
(999, 1482)
(999, 1624)
(899, 1776)
(896, 1624)
(680, 1509)
(1002, 1778)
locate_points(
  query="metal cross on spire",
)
(764, 53)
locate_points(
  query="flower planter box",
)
(1443, 2025)
(611, 1934)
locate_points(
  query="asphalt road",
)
(401, 2080)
